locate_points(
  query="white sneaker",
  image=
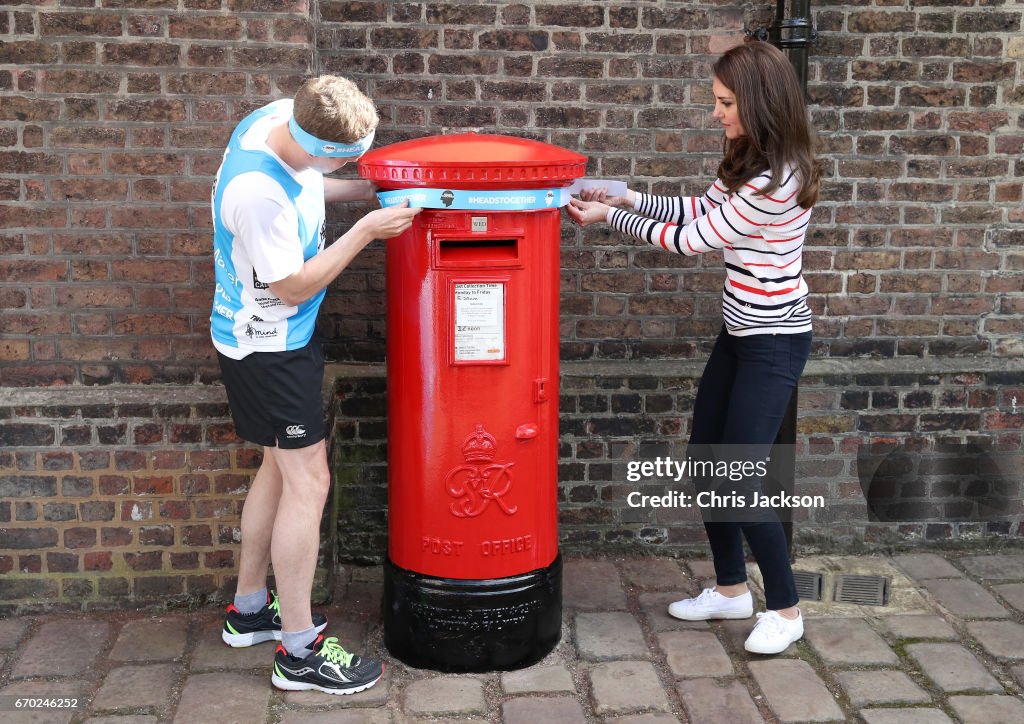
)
(774, 633)
(711, 604)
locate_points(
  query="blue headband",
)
(317, 147)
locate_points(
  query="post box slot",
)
(478, 252)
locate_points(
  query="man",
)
(272, 270)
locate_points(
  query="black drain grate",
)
(810, 586)
(862, 590)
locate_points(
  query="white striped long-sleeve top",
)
(761, 238)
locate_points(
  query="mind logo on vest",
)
(253, 333)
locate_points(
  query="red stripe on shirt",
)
(763, 196)
(762, 292)
(752, 223)
(712, 225)
(790, 221)
(776, 266)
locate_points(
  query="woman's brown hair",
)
(773, 112)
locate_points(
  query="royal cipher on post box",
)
(473, 576)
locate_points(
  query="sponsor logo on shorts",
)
(256, 283)
(295, 431)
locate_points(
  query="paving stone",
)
(1003, 639)
(362, 601)
(351, 633)
(965, 599)
(623, 686)
(649, 718)
(125, 719)
(611, 635)
(919, 626)
(151, 639)
(881, 687)
(953, 668)
(592, 585)
(847, 642)
(655, 607)
(702, 570)
(339, 716)
(924, 566)
(694, 653)
(11, 631)
(538, 679)
(530, 710)
(377, 695)
(1013, 593)
(212, 654)
(67, 689)
(130, 686)
(794, 691)
(905, 716)
(1000, 567)
(203, 699)
(718, 701)
(63, 647)
(988, 709)
(445, 695)
(654, 574)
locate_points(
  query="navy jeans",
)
(741, 400)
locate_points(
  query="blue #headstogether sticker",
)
(495, 200)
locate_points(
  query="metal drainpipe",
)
(794, 35)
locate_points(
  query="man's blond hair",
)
(332, 108)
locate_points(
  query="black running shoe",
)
(329, 668)
(242, 629)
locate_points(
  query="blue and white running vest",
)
(247, 316)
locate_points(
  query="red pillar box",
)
(473, 576)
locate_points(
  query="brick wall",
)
(113, 116)
(113, 119)
(612, 413)
(119, 494)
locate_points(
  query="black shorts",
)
(276, 397)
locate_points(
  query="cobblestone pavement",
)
(949, 647)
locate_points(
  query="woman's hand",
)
(601, 194)
(585, 213)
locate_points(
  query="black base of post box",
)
(452, 624)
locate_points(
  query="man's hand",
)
(358, 190)
(585, 213)
(321, 269)
(387, 223)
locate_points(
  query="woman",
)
(757, 213)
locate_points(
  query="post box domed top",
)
(472, 161)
